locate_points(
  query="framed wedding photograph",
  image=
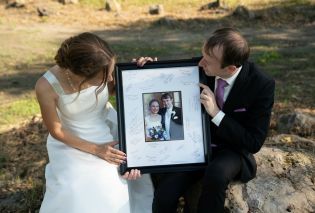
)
(162, 125)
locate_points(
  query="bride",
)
(82, 174)
(153, 126)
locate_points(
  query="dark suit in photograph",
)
(176, 129)
(240, 134)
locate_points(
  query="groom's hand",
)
(207, 98)
(132, 175)
(141, 61)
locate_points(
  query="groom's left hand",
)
(132, 175)
(207, 98)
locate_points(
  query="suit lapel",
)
(239, 84)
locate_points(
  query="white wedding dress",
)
(78, 182)
(154, 122)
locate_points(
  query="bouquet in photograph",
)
(157, 133)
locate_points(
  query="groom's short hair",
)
(166, 96)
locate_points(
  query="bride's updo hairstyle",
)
(86, 55)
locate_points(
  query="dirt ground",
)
(282, 42)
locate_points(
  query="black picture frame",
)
(127, 77)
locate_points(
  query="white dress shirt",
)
(219, 116)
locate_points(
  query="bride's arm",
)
(147, 134)
(146, 126)
(47, 99)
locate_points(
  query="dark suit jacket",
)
(177, 117)
(247, 116)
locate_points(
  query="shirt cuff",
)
(218, 118)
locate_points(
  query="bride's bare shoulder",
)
(42, 85)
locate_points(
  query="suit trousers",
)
(223, 168)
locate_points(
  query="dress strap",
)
(51, 78)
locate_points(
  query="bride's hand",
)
(111, 154)
(143, 60)
(132, 175)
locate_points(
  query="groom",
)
(172, 120)
(238, 97)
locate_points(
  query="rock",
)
(167, 21)
(234, 201)
(211, 5)
(41, 11)
(298, 122)
(293, 141)
(243, 12)
(284, 183)
(112, 5)
(69, 1)
(156, 9)
(15, 4)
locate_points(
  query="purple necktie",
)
(219, 92)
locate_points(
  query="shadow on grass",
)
(27, 200)
(281, 38)
(23, 80)
(277, 47)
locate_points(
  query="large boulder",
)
(298, 123)
(285, 179)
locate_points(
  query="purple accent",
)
(213, 145)
(219, 92)
(240, 110)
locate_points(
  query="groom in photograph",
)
(172, 120)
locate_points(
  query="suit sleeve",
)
(251, 134)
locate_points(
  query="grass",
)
(31, 198)
(268, 57)
(16, 43)
(179, 5)
(3, 160)
(18, 110)
(93, 3)
(129, 4)
(112, 100)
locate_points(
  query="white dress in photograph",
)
(78, 182)
(153, 128)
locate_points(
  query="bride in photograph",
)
(153, 126)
